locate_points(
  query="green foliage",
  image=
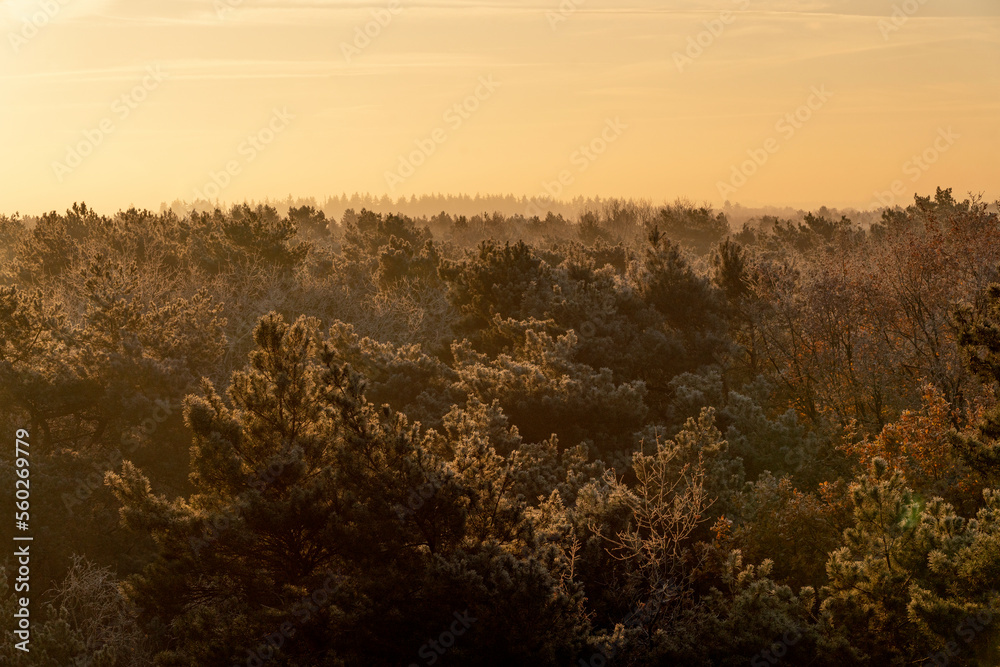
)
(325, 437)
(980, 340)
(870, 575)
(302, 478)
(544, 392)
(699, 228)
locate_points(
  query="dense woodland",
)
(639, 436)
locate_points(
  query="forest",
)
(639, 435)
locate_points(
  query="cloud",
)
(15, 12)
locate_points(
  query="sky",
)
(762, 102)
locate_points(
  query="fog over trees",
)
(452, 431)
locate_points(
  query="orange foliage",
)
(918, 445)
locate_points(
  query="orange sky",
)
(756, 101)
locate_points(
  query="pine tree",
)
(337, 529)
(870, 576)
